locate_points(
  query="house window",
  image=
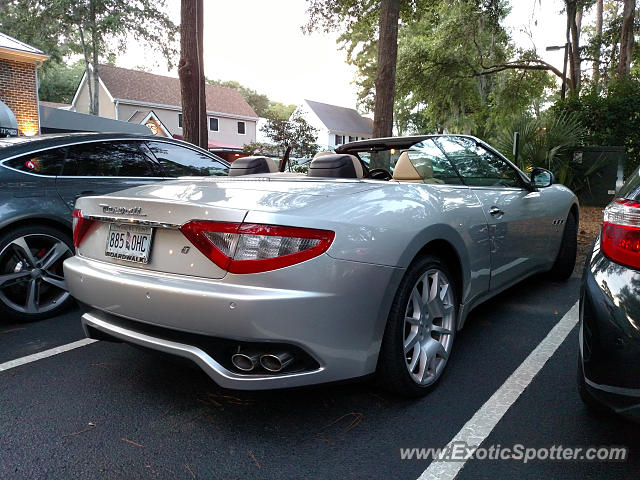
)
(179, 120)
(213, 124)
(242, 128)
(352, 139)
(339, 139)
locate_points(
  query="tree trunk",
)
(385, 75)
(87, 67)
(574, 23)
(94, 105)
(626, 38)
(598, 45)
(191, 73)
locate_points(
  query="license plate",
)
(129, 242)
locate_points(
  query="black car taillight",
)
(620, 239)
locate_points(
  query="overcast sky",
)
(259, 43)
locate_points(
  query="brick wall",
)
(18, 91)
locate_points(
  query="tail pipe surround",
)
(275, 362)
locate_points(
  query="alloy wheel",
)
(31, 275)
(429, 325)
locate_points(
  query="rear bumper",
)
(610, 334)
(334, 311)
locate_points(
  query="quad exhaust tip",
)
(275, 362)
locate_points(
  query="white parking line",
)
(483, 422)
(44, 354)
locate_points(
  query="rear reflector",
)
(254, 248)
(81, 227)
(620, 239)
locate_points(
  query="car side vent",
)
(252, 165)
(336, 166)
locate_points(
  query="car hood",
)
(248, 194)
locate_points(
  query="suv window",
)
(48, 162)
(109, 159)
(431, 164)
(178, 161)
(477, 166)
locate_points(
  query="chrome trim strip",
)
(134, 221)
(627, 392)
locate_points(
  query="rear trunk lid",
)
(150, 216)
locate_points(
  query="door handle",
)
(496, 212)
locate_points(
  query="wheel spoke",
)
(33, 297)
(435, 286)
(415, 356)
(20, 245)
(56, 282)
(416, 300)
(443, 291)
(12, 276)
(53, 255)
(434, 348)
(440, 330)
(422, 369)
(412, 320)
(410, 342)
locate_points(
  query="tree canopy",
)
(91, 28)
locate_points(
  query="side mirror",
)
(541, 178)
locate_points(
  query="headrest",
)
(322, 154)
(251, 165)
(404, 171)
(336, 166)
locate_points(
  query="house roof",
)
(63, 106)
(148, 88)
(15, 49)
(340, 119)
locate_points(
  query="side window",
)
(109, 159)
(431, 164)
(477, 166)
(242, 128)
(48, 162)
(178, 161)
(213, 124)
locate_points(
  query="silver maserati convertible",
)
(270, 279)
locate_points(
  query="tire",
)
(566, 259)
(31, 278)
(430, 327)
(584, 393)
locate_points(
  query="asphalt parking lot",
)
(112, 411)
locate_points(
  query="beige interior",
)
(404, 170)
(321, 154)
(420, 171)
(358, 166)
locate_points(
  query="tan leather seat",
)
(404, 171)
(419, 172)
(321, 154)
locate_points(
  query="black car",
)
(40, 179)
(609, 358)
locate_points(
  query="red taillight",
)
(620, 239)
(81, 227)
(254, 248)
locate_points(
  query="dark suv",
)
(40, 179)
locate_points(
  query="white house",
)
(336, 125)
